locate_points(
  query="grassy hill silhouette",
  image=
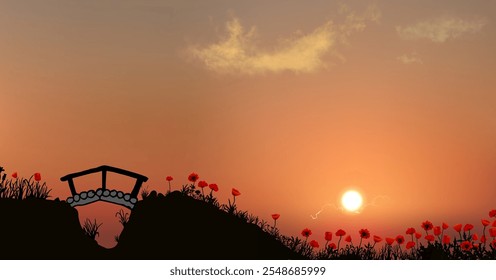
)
(43, 229)
(176, 226)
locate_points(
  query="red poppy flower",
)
(314, 244)
(214, 187)
(483, 239)
(437, 230)
(14, 175)
(492, 213)
(340, 232)
(468, 227)
(389, 240)
(429, 238)
(485, 222)
(492, 232)
(400, 239)
(466, 245)
(235, 192)
(445, 226)
(494, 223)
(328, 236)
(348, 238)
(202, 184)
(332, 246)
(427, 225)
(377, 239)
(410, 231)
(275, 216)
(410, 244)
(446, 239)
(418, 235)
(37, 177)
(458, 227)
(475, 236)
(306, 232)
(364, 233)
(193, 177)
(169, 178)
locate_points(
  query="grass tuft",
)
(21, 188)
(145, 193)
(90, 228)
(122, 217)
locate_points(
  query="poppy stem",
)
(169, 187)
(339, 241)
(484, 234)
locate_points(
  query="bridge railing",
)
(140, 179)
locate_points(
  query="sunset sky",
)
(290, 102)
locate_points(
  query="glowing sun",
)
(352, 201)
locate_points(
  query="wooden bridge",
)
(103, 194)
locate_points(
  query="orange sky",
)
(288, 102)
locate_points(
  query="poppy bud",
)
(235, 192)
(37, 177)
(328, 236)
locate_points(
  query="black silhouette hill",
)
(43, 229)
(175, 226)
(178, 226)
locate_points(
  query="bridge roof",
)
(105, 168)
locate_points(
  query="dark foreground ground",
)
(175, 226)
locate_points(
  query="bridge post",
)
(136, 188)
(72, 187)
(104, 179)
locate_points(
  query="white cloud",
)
(236, 53)
(412, 58)
(441, 29)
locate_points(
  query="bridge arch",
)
(103, 194)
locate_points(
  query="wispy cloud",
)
(237, 53)
(441, 29)
(412, 58)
